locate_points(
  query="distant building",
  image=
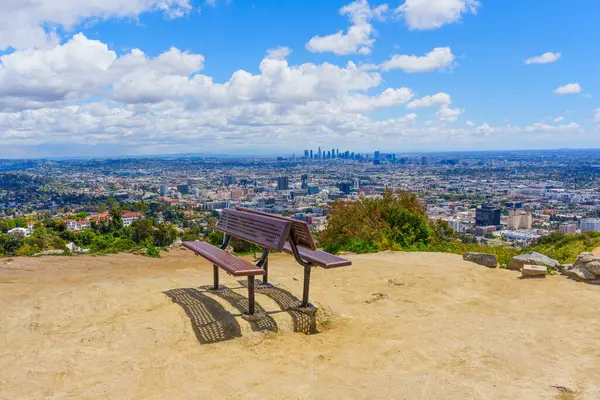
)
(76, 226)
(482, 230)
(424, 160)
(196, 192)
(487, 215)
(283, 183)
(356, 183)
(19, 231)
(183, 189)
(590, 224)
(304, 181)
(229, 180)
(454, 223)
(518, 220)
(129, 217)
(521, 236)
(164, 189)
(568, 229)
(344, 187)
(313, 190)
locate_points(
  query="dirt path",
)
(395, 325)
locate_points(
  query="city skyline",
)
(131, 78)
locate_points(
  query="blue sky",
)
(116, 77)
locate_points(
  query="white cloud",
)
(438, 58)
(540, 126)
(545, 58)
(571, 88)
(430, 101)
(279, 53)
(432, 14)
(24, 24)
(389, 98)
(597, 114)
(484, 129)
(358, 39)
(470, 123)
(558, 119)
(447, 114)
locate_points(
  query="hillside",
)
(394, 325)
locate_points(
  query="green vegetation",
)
(566, 248)
(104, 237)
(395, 222)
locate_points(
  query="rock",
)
(485, 259)
(534, 270)
(531, 258)
(564, 268)
(580, 272)
(593, 267)
(584, 258)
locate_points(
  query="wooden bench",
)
(266, 232)
(301, 245)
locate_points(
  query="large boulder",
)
(579, 272)
(485, 259)
(532, 258)
(584, 258)
(586, 267)
(534, 270)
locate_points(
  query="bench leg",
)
(265, 278)
(306, 286)
(216, 277)
(251, 295)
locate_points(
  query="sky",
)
(93, 78)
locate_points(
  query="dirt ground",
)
(392, 326)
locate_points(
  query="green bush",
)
(153, 252)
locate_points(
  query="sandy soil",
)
(392, 326)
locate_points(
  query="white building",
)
(19, 231)
(568, 229)
(129, 217)
(591, 224)
(519, 221)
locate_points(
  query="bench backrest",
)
(258, 229)
(300, 228)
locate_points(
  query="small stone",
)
(534, 270)
(485, 259)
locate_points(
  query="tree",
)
(143, 230)
(165, 235)
(116, 218)
(112, 203)
(101, 208)
(141, 206)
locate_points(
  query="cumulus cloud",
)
(545, 58)
(30, 23)
(358, 38)
(570, 88)
(438, 58)
(447, 114)
(558, 119)
(432, 14)
(438, 99)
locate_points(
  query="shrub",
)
(153, 252)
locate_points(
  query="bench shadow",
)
(240, 303)
(305, 323)
(211, 322)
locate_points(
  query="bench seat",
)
(234, 265)
(319, 257)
